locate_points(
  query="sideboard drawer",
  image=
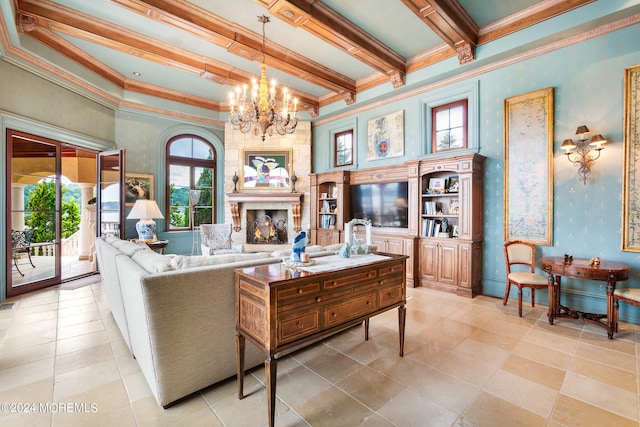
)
(299, 324)
(391, 270)
(341, 312)
(350, 279)
(294, 291)
(390, 295)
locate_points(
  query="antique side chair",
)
(519, 253)
(629, 295)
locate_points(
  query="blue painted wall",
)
(588, 82)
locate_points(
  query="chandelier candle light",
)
(583, 157)
(257, 110)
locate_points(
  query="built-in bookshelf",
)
(451, 224)
(328, 206)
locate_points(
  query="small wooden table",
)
(279, 308)
(156, 245)
(608, 271)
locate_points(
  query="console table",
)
(579, 268)
(278, 308)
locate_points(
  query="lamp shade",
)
(582, 130)
(598, 140)
(145, 211)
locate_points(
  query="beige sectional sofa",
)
(177, 313)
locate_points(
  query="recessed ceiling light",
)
(135, 73)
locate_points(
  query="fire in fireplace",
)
(267, 230)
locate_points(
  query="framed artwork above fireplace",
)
(266, 169)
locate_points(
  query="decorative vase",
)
(345, 251)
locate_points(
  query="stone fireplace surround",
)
(242, 201)
(298, 216)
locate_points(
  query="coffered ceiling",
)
(195, 52)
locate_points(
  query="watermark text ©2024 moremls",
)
(51, 407)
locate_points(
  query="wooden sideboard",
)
(280, 308)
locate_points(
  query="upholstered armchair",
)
(215, 239)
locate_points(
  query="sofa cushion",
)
(127, 247)
(183, 262)
(110, 239)
(152, 261)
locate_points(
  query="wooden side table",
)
(156, 245)
(608, 271)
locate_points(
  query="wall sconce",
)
(583, 157)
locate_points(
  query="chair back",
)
(21, 239)
(216, 236)
(518, 252)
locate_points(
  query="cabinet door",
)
(447, 263)
(326, 238)
(464, 265)
(428, 259)
(395, 246)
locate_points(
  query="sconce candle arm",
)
(583, 156)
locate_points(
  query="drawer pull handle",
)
(370, 274)
(368, 302)
(333, 314)
(300, 325)
(318, 299)
(299, 291)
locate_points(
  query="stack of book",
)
(430, 208)
(430, 227)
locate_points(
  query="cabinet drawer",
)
(390, 295)
(289, 292)
(350, 279)
(298, 325)
(392, 269)
(342, 312)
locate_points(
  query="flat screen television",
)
(385, 204)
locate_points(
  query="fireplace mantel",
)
(235, 199)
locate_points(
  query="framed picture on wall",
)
(138, 186)
(631, 205)
(266, 169)
(528, 171)
(385, 136)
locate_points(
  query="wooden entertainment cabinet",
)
(436, 260)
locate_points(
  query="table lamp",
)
(145, 211)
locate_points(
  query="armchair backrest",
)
(519, 253)
(216, 236)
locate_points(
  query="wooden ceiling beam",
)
(451, 23)
(66, 21)
(320, 20)
(239, 41)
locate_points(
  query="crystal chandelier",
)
(257, 109)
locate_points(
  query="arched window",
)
(191, 164)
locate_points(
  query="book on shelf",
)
(430, 208)
(430, 227)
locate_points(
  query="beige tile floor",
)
(468, 362)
